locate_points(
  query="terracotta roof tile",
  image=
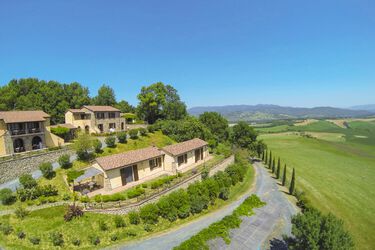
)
(102, 108)
(128, 158)
(184, 147)
(23, 116)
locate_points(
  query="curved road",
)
(269, 221)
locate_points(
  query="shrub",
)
(21, 235)
(119, 221)
(94, 239)
(103, 226)
(27, 181)
(64, 161)
(223, 149)
(21, 212)
(167, 209)
(114, 237)
(152, 128)
(66, 197)
(110, 141)
(35, 240)
(6, 229)
(204, 174)
(135, 192)
(134, 217)
(224, 193)
(147, 228)
(7, 197)
(133, 133)
(47, 170)
(149, 213)
(180, 200)
(142, 131)
(131, 232)
(199, 197)
(97, 144)
(72, 212)
(76, 242)
(213, 189)
(47, 190)
(122, 136)
(61, 132)
(223, 179)
(57, 239)
(160, 182)
(144, 185)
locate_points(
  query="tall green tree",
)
(125, 107)
(270, 161)
(273, 165)
(278, 169)
(106, 96)
(313, 230)
(174, 108)
(284, 176)
(216, 123)
(159, 101)
(243, 135)
(292, 183)
(52, 97)
(265, 157)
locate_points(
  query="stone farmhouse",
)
(114, 173)
(96, 119)
(22, 131)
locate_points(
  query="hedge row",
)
(198, 196)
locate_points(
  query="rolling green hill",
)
(338, 175)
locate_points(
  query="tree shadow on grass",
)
(277, 244)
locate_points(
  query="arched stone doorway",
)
(36, 143)
(18, 145)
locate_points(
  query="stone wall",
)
(197, 177)
(12, 169)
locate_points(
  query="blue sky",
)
(295, 53)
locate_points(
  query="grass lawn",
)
(337, 176)
(42, 222)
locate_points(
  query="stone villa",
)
(117, 172)
(22, 131)
(96, 119)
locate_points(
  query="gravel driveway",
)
(255, 232)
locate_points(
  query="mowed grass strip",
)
(338, 177)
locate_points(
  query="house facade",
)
(22, 131)
(182, 156)
(133, 167)
(96, 119)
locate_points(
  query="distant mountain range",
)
(266, 112)
(368, 107)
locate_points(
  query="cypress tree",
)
(278, 169)
(292, 183)
(270, 161)
(265, 157)
(284, 176)
(273, 165)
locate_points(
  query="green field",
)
(338, 176)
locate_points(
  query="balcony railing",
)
(25, 131)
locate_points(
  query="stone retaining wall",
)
(197, 177)
(12, 169)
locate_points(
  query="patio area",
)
(92, 179)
